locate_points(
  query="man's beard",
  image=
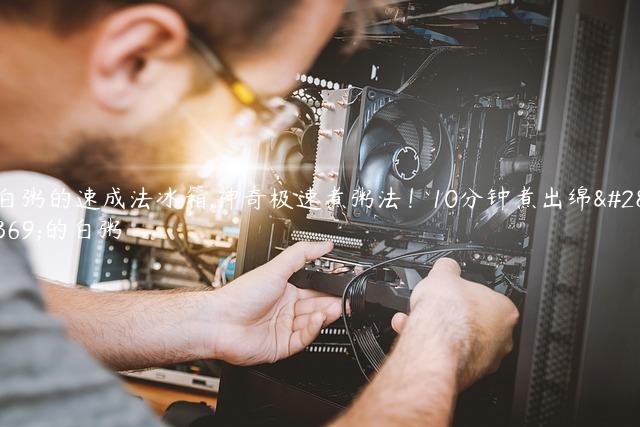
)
(168, 154)
(130, 164)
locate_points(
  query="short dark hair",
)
(227, 25)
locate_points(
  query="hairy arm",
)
(258, 318)
(417, 385)
(457, 332)
(130, 330)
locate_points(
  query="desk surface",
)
(160, 396)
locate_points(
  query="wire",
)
(510, 146)
(421, 69)
(514, 286)
(178, 236)
(346, 101)
(363, 339)
(449, 10)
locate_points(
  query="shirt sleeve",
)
(45, 378)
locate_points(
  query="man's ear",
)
(131, 47)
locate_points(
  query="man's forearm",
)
(128, 330)
(406, 392)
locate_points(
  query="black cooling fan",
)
(292, 154)
(402, 149)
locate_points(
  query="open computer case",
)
(464, 96)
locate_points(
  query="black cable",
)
(509, 149)
(513, 285)
(178, 236)
(371, 348)
(364, 335)
(346, 325)
(421, 69)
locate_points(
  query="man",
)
(109, 92)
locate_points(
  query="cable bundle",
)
(360, 331)
(177, 231)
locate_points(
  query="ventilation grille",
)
(570, 245)
(311, 97)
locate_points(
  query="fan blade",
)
(376, 177)
(292, 170)
(377, 166)
(378, 132)
(403, 123)
(290, 164)
(286, 143)
(408, 210)
(427, 175)
(414, 117)
(442, 163)
(305, 113)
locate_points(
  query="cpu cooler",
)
(398, 148)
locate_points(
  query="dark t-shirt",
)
(45, 378)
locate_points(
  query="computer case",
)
(578, 352)
(575, 361)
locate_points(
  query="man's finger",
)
(295, 257)
(330, 307)
(445, 266)
(300, 322)
(310, 293)
(398, 321)
(306, 306)
(332, 312)
(306, 333)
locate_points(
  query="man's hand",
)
(457, 332)
(257, 318)
(477, 321)
(264, 318)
